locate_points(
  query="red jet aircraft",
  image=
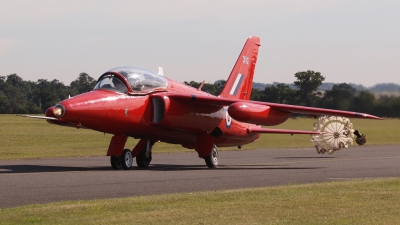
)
(133, 102)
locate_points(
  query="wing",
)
(252, 107)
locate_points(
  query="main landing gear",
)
(212, 159)
(143, 159)
(125, 161)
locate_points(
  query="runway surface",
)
(51, 180)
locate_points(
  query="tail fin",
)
(240, 81)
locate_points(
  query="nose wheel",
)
(126, 159)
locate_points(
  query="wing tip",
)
(368, 116)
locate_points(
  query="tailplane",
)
(240, 81)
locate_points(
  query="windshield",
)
(111, 83)
(140, 80)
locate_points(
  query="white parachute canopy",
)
(338, 134)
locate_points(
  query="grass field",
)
(349, 202)
(33, 138)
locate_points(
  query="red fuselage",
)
(135, 116)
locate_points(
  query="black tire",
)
(116, 162)
(141, 160)
(126, 159)
(212, 159)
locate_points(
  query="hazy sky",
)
(355, 41)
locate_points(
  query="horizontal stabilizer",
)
(279, 131)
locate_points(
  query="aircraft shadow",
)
(15, 169)
(9, 169)
(169, 167)
(305, 157)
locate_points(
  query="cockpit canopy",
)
(141, 81)
(110, 82)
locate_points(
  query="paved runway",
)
(50, 180)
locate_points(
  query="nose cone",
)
(86, 109)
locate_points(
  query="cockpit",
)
(140, 81)
(110, 82)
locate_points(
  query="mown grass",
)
(349, 202)
(33, 138)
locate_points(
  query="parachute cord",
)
(303, 139)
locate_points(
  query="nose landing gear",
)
(143, 158)
(116, 162)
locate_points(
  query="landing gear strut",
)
(212, 159)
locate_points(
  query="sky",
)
(351, 41)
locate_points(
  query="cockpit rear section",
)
(132, 81)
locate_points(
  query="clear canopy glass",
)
(141, 80)
(110, 82)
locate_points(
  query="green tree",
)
(339, 97)
(307, 84)
(256, 94)
(84, 83)
(219, 85)
(363, 102)
(192, 84)
(4, 103)
(213, 89)
(16, 91)
(387, 106)
(50, 93)
(280, 93)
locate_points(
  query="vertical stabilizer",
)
(240, 81)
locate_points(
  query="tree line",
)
(19, 96)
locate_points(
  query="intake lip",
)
(59, 110)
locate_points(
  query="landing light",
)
(59, 110)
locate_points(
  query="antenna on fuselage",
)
(201, 85)
(160, 71)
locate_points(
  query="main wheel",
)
(143, 159)
(116, 162)
(126, 159)
(212, 159)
